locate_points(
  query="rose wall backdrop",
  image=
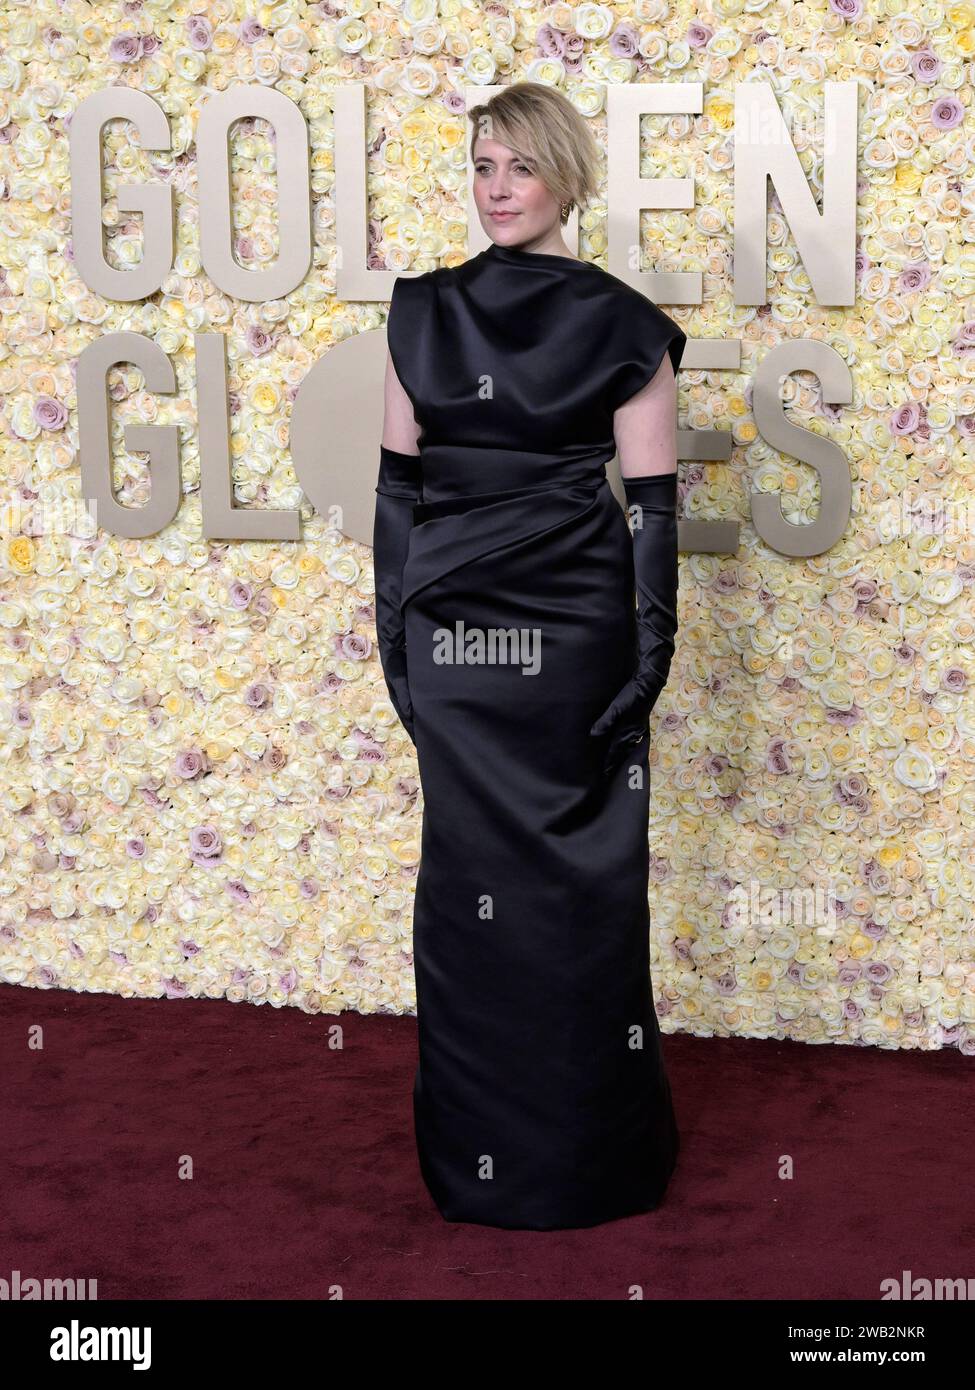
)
(205, 791)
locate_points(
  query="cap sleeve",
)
(404, 326)
(644, 334)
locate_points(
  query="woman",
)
(504, 599)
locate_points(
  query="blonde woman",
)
(505, 578)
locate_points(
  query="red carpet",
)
(305, 1173)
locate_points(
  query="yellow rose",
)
(21, 555)
(721, 112)
(450, 135)
(908, 178)
(265, 397)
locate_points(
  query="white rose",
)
(914, 768)
(593, 21)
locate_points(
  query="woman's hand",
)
(625, 720)
(398, 684)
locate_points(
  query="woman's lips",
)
(503, 216)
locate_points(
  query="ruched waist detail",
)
(450, 506)
(458, 530)
(465, 474)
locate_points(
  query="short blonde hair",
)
(543, 126)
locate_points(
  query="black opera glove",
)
(399, 488)
(655, 569)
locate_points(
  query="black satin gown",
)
(541, 1100)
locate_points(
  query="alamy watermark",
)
(754, 904)
(491, 646)
(21, 1289)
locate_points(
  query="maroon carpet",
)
(305, 1174)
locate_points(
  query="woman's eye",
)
(519, 168)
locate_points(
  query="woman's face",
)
(512, 202)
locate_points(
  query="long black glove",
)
(399, 488)
(654, 496)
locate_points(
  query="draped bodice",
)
(515, 362)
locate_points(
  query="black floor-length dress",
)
(541, 1100)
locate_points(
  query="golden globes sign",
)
(340, 400)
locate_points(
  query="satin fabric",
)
(398, 489)
(652, 503)
(541, 1099)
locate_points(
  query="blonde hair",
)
(543, 126)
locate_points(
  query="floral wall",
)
(205, 791)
